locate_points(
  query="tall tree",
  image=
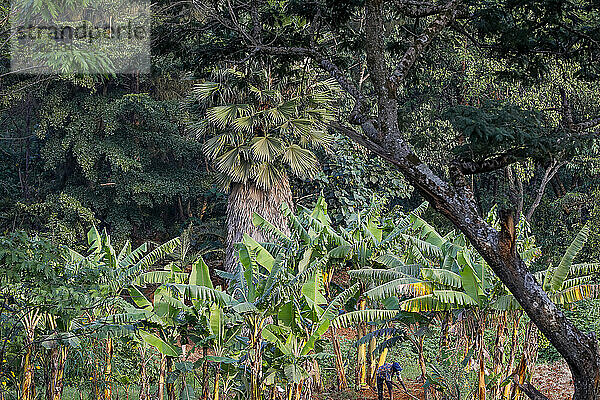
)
(373, 50)
(257, 126)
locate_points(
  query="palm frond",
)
(266, 175)
(580, 280)
(301, 161)
(203, 293)
(160, 277)
(213, 146)
(266, 148)
(389, 260)
(383, 332)
(100, 332)
(442, 276)
(339, 301)
(376, 275)
(151, 259)
(584, 269)
(363, 316)
(576, 293)
(424, 246)
(561, 272)
(268, 227)
(204, 90)
(426, 231)
(226, 162)
(400, 287)
(439, 300)
(342, 251)
(222, 116)
(506, 303)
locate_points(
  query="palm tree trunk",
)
(246, 199)
(162, 377)
(339, 362)
(108, 370)
(55, 370)
(144, 380)
(361, 359)
(217, 379)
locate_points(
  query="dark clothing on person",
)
(385, 373)
(380, 382)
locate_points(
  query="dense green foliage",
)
(248, 94)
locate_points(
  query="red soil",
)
(414, 388)
(553, 380)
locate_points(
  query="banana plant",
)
(568, 282)
(120, 269)
(283, 292)
(300, 324)
(450, 275)
(428, 274)
(179, 298)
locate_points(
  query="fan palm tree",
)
(256, 129)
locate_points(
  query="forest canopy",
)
(273, 199)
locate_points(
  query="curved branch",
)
(423, 41)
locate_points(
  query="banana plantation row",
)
(267, 330)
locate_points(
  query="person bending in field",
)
(385, 373)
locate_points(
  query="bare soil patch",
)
(553, 380)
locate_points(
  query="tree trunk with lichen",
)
(246, 199)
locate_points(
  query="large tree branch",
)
(529, 390)
(515, 185)
(423, 41)
(568, 121)
(549, 173)
(470, 167)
